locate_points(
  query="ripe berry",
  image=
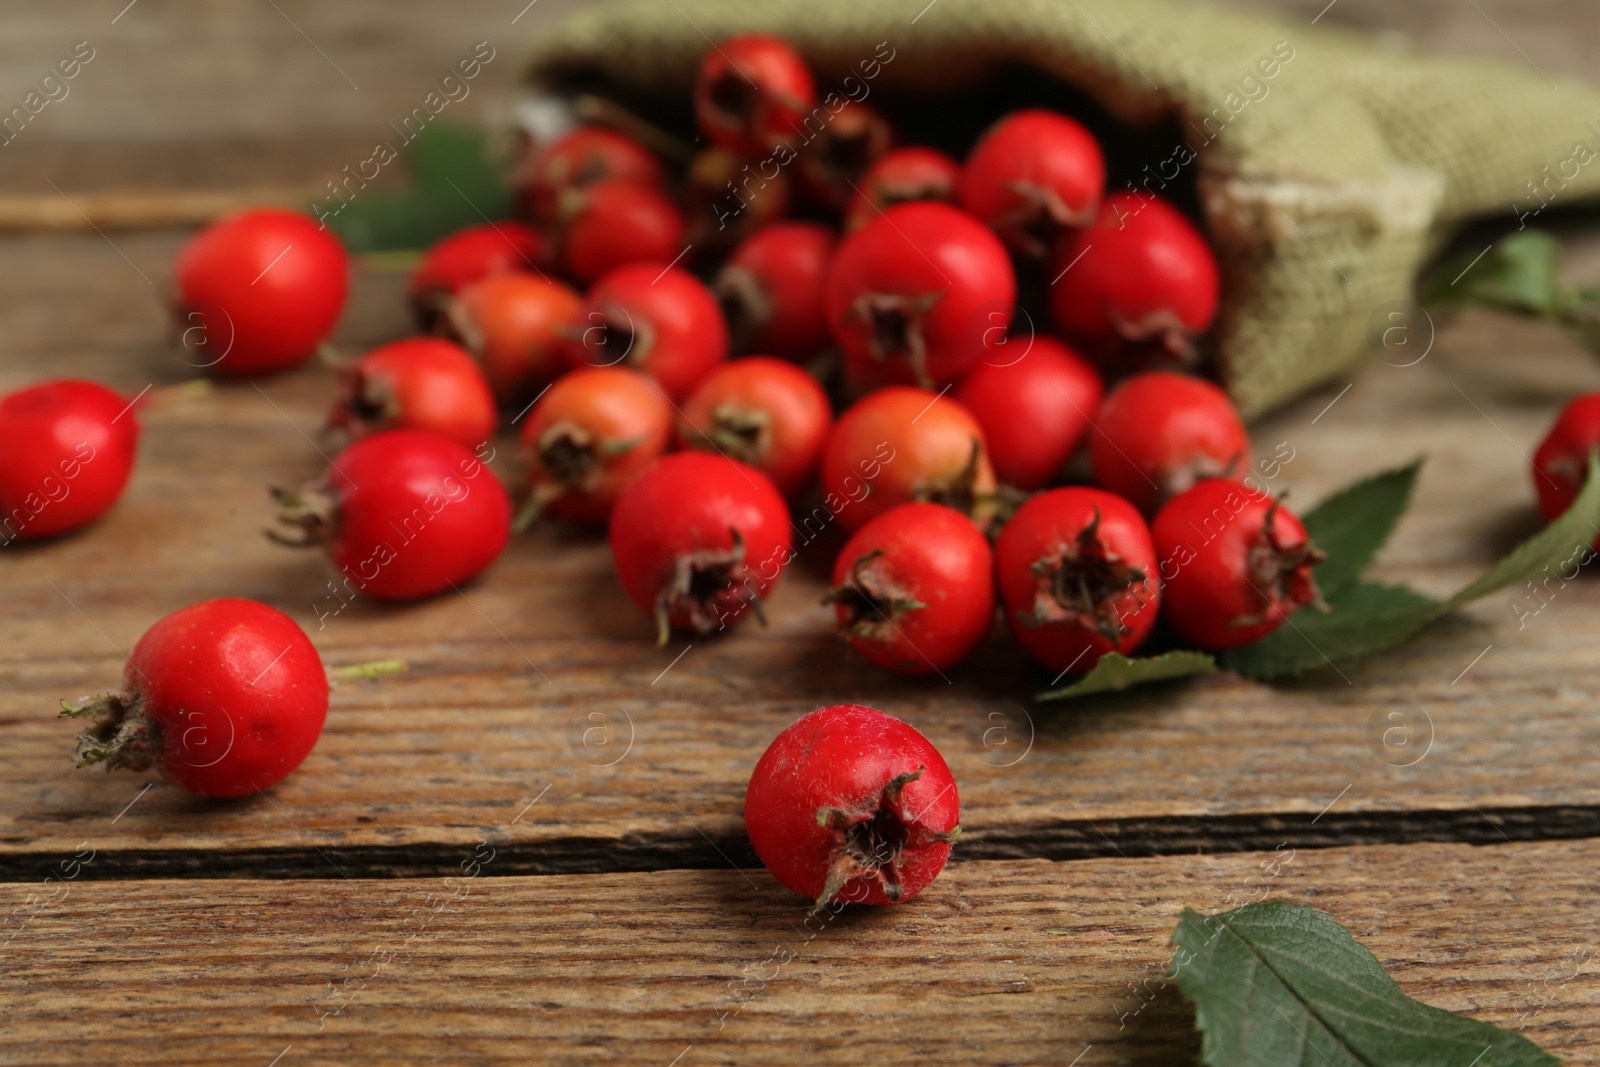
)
(898, 177)
(468, 256)
(661, 320)
(66, 450)
(1159, 433)
(606, 225)
(588, 436)
(421, 383)
(403, 515)
(1078, 577)
(1032, 176)
(587, 156)
(854, 805)
(515, 324)
(834, 158)
(1561, 463)
(223, 698)
(1034, 408)
(698, 538)
(771, 290)
(764, 412)
(911, 296)
(751, 93)
(913, 590)
(1147, 276)
(1235, 564)
(900, 445)
(257, 291)
(729, 198)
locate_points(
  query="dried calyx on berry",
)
(896, 329)
(1281, 572)
(706, 587)
(1082, 582)
(872, 599)
(870, 838)
(120, 736)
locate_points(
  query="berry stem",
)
(376, 669)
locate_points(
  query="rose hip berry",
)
(1077, 577)
(832, 161)
(1147, 277)
(223, 698)
(853, 805)
(588, 436)
(697, 539)
(402, 514)
(900, 445)
(1159, 433)
(1034, 408)
(751, 93)
(606, 225)
(421, 383)
(468, 256)
(257, 291)
(905, 292)
(1236, 564)
(515, 325)
(1032, 176)
(771, 290)
(913, 590)
(898, 177)
(651, 317)
(586, 156)
(66, 450)
(764, 412)
(1561, 463)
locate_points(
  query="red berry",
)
(606, 225)
(729, 198)
(838, 148)
(468, 256)
(66, 450)
(223, 698)
(1561, 464)
(771, 290)
(1235, 564)
(654, 318)
(258, 291)
(421, 383)
(912, 295)
(1032, 176)
(1159, 433)
(586, 156)
(764, 412)
(515, 324)
(1034, 408)
(913, 590)
(403, 515)
(588, 436)
(898, 177)
(751, 93)
(900, 445)
(853, 805)
(1146, 276)
(1078, 577)
(698, 538)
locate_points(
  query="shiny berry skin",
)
(843, 146)
(588, 436)
(728, 198)
(1147, 277)
(1235, 564)
(900, 445)
(515, 326)
(898, 177)
(403, 515)
(66, 451)
(421, 383)
(1032, 176)
(1561, 463)
(1157, 434)
(771, 290)
(917, 294)
(651, 317)
(223, 698)
(913, 590)
(1078, 579)
(587, 156)
(851, 805)
(751, 94)
(1034, 406)
(697, 539)
(764, 412)
(258, 291)
(469, 256)
(606, 225)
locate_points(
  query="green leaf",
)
(1518, 273)
(1354, 523)
(1115, 672)
(1284, 985)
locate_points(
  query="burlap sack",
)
(1322, 197)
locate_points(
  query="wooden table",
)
(617, 913)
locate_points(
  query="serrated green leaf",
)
(1518, 273)
(1115, 672)
(1354, 523)
(1284, 985)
